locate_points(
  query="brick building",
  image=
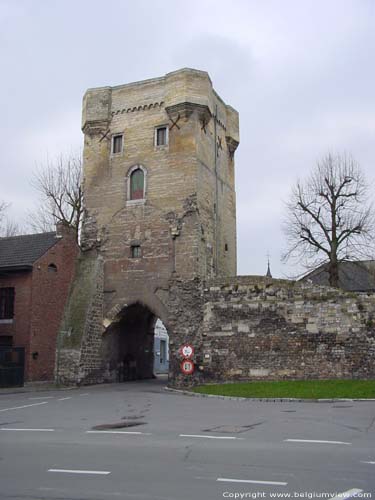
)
(35, 275)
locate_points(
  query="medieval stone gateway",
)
(159, 241)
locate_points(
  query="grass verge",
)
(300, 389)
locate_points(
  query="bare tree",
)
(329, 218)
(3, 207)
(59, 183)
(7, 226)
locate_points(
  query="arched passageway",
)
(128, 345)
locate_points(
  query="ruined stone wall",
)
(258, 328)
(242, 328)
(78, 347)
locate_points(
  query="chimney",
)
(64, 230)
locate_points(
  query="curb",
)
(264, 400)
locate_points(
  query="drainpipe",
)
(216, 210)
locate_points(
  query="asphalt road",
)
(183, 447)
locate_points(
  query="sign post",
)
(186, 351)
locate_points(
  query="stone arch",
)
(128, 341)
(150, 301)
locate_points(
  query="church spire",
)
(268, 274)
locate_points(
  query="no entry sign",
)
(187, 367)
(187, 351)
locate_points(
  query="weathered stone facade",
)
(186, 221)
(261, 328)
(184, 224)
(182, 271)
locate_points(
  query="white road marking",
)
(363, 462)
(28, 430)
(24, 406)
(347, 494)
(63, 399)
(87, 394)
(251, 481)
(120, 432)
(208, 437)
(319, 441)
(40, 397)
(72, 471)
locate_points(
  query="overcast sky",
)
(301, 74)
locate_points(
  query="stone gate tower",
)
(159, 200)
(159, 241)
(176, 138)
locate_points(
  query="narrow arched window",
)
(52, 268)
(137, 184)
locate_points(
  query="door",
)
(12, 366)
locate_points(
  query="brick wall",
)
(19, 328)
(49, 292)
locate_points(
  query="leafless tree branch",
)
(59, 185)
(7, 226)
(329, 218)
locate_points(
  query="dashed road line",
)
(136, 433)
(347, 494)
(371, 463)
(24, 406)
(250, 481)
(40, 397)
(318, 441)
(209, 437)
(64, 399)
(26, 430)
(86, 394)
(76, 471)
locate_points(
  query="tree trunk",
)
(333, 271)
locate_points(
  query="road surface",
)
(138, 441)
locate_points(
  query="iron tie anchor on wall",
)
(174, 122)
(104, 136)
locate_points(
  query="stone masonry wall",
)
(258, 328)
(242, 328)
(78, 356)
(184, 230)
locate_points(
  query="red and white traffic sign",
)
(187, 351)
(187, 367)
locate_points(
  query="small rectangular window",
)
(6, 340)
(117, 144)
(136, 251)
(161, 136)
(6, 303)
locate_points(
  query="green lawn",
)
(301, 389)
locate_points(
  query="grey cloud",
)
(301, 75)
